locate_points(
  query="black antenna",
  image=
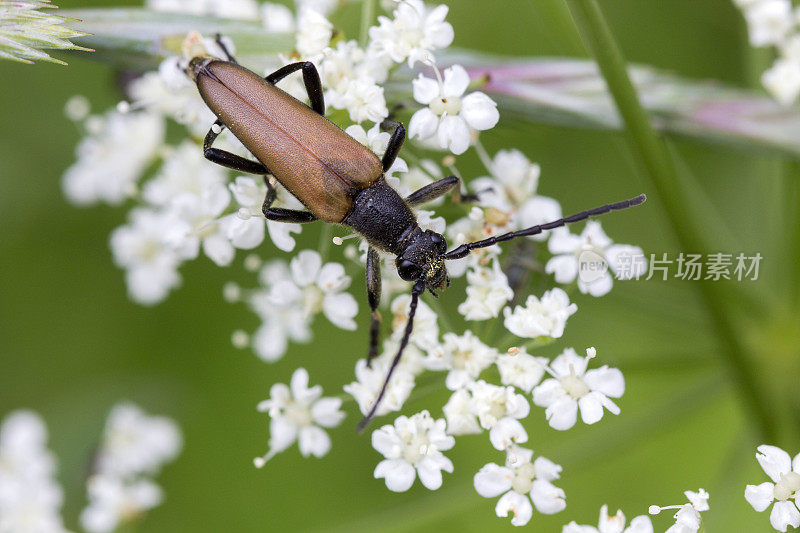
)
(464, 249)
(419, 288)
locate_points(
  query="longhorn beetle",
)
(338, 180)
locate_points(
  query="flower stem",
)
(325, 241)
(367, 16)
(660, 170)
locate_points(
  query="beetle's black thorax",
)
(382, 217)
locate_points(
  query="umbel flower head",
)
(135, 446)
(573, 387)
(30, 497)
(413, 447)
(25, 32)
(298, 413)
(784, 491)
(521, 481)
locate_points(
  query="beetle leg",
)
(440, 188)
(374, 298)
(395, 142)
(227, 159)
(419, 288)
(224, 48)
(279, 214)
(310, 78)
(271, 195)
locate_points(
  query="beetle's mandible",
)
(338, 180)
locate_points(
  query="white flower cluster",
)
(291, 296)
(413, 444)
(298, 413)
(413, 447)
(522, 481)
(134, 448)
(784, 490)
(183, 204)
(30, 497)
(776, 23)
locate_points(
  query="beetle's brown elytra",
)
(339, 180)
(309, 155)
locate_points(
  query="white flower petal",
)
(299, 382)
(539, 210)
(548, 392)
(519, 505)
(281, 234)
(246, 234)
(326, 412)
(425, 89)
(305, 267)
(386, 441)
(455, 82)
(563, 242)
(591, 407)
(593, 232)
(340, 310)
(760, 496)
(270, 342)
(774, 461)
(493, 480)
(562, 414)
(429, 473)
(453, 134)
(507, 432)
(607, 380)
(423, 124)
(574, 527)
(784, 514)
(640, 524)
(611, 406)
(564, 267)
(313, 441)
(546, 469)
(626, 261)
(282, 433)
(332, 278)
(219, 249)
(597, 287)
(547, 498)
(567, 361)
(479, 111)
(398, 474)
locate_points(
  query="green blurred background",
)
(71, 344)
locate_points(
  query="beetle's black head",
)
(422, 260)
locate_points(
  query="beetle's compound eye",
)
(439, 241)
(409, 270)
